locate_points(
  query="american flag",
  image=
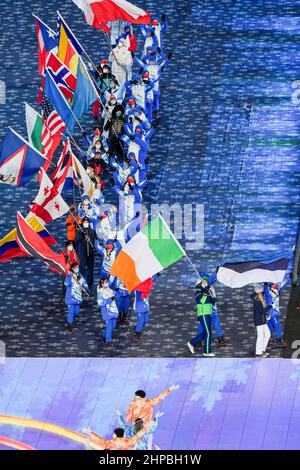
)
(53, 125)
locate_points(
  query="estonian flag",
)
(240, 274)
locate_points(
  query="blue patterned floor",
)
(228, 139)
(221, 404)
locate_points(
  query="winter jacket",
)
(259, 311)
(74, 291)
(107, 303)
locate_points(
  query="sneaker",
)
(265, 354)
(209, 355)
(191, 347)
(137, 335)
(109, 346)
(70, 329)
(258, 355)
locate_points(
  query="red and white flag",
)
(98, 12)
(48, 205)
(47, 42)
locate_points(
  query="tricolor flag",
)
(48, 205)
(31, 243)
(82, 178)
(147, 253)
(19, 160)
(71, 36)
(39, 134)
(62, 177)
(9, 247)
(47, 43)
(237, 275)
(67, 49)
(98, 12)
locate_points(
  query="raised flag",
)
(240, 274)
(85, 95)
(39, 135)
(66, 50)
(9, 247)
(98, 12)
(57, 100)
(48, 205)
(150, 251)
(19, 160)
(47, 42)
(71, 36)
(63, 77)
(81, 176)
(62, 178)
(32, 243)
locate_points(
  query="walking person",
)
(261, 317)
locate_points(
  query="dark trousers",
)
(205, 335)
(87, 269)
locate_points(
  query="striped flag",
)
(240, 274)
(31, 243)
(53, 123)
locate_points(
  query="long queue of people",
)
(116, 156)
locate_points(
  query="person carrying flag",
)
(204, 302)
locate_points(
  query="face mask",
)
(98, 146)
(86, 225)
(86, 202)
(76, 270)
(119, 113)
(69, 247)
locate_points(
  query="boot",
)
(70, 328)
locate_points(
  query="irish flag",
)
(147, 253)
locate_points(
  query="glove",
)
(137, 214)
(152, 33)
(170, 55)
(163, 17)
(113, 298)
(131, 137)
(147, 160)
(84, 134)
(117, 289)
(159, 50)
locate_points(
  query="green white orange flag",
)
(150, 251)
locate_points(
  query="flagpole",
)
(84, 51)
(187, 257)
(39, 19)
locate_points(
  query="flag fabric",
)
(57, 101)
(32, 243)
(9, 247)
(67, 52)
(145, 288)
(48, 205)
(62, 177)
(237, 275)
(19, 160)
(63, 77)
(150, 251)
(85, 95)
(34, 124)
(82, 177)
(98, 12)
(71, 36)
(47, 42)
(39, 134)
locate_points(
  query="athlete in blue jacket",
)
(108, 308)
(75, 284)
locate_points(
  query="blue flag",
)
(56, 97)
(19, 161)
(85, 95)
